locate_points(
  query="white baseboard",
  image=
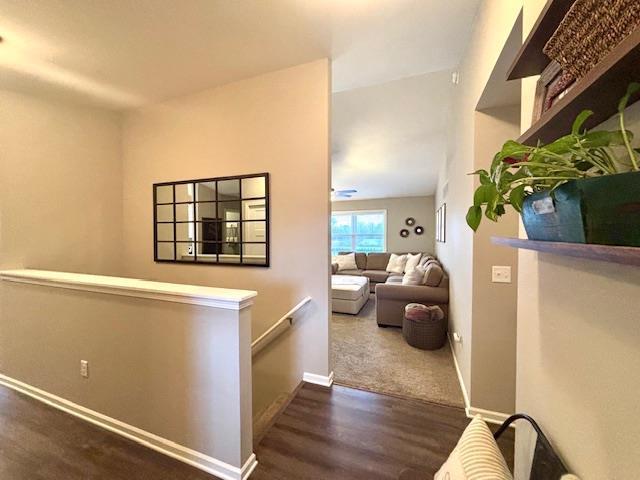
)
(325, 381)
(196, 459)
(489, 416)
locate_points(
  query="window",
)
(215, 220)
(361, 231)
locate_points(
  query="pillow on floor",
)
(412, 262)
(346, 261)
(396, 263)
(476, 456)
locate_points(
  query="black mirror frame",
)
(217, 261)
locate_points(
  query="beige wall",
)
(578, 353)
(276, 123)
(492, 27)
(60, 186)
(398, 209)
(493, 379)
(175, 370)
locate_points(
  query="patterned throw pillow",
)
(476, 456)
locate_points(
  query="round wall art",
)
(410, 221)
(404, 233)
(419, 230)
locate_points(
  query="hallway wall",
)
(276, 123)
(492, 27)
(578, 354)
(60, 186)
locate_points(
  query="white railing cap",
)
(226, 298)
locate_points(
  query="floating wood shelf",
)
(605, 253)
(599, 90)
(530, 59)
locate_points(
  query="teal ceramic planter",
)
(603, 210)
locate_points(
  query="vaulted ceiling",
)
(123, 53)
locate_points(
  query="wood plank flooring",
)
(39, 442)
(348, 434)
(332, 434)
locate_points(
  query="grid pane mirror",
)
(213, 221)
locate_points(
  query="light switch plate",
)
(500, 274)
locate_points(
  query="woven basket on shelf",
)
(589, 31)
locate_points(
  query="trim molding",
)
(489, 416)
(184, 454)
(325, 381)
(227, 299)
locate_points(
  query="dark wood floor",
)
(345, 434)
(338, 434)
(38, 442)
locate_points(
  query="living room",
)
(384, 227)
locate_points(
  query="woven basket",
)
(424, 326)
(589, 31)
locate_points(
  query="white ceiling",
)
(124, 53)
(389, 140)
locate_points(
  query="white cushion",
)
(348, 287)
(412, 262)
(414, 277)
(476, 456)
(396, 263)
(346, 261)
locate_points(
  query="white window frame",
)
(352, 213)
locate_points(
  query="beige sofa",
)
(391, 295)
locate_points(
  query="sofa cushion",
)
(361, 259)
(346, 261)
(396, 263)
(379, 276)
(412, 262)
(394, 279)
(433, 274)
(357, 273)
(377, 261)
(414, 277)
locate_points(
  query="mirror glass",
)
(215, 221)
(164, 194)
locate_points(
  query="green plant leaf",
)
(474, 216)
(484, 194)
(516, 197)
(561, 146)
(483, 175)
(579, 121)
(633, 88)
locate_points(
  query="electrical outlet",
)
(84, 368)
(501, 274)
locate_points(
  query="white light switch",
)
(501, 274)
(84, 368)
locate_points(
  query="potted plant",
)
(583, 187)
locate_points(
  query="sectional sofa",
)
(391, 295)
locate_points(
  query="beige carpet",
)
(379, 359)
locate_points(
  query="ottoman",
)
(424, 327)
(349, 293)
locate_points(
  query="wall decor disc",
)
(419, 230)
(404, 233)
(410, 221)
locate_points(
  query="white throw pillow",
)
(346, 262)
(414, 277)
(412, 262)
(396, 263)
(476, 456)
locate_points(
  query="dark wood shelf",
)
(599, 90)
(604, 253)
(530, 59)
